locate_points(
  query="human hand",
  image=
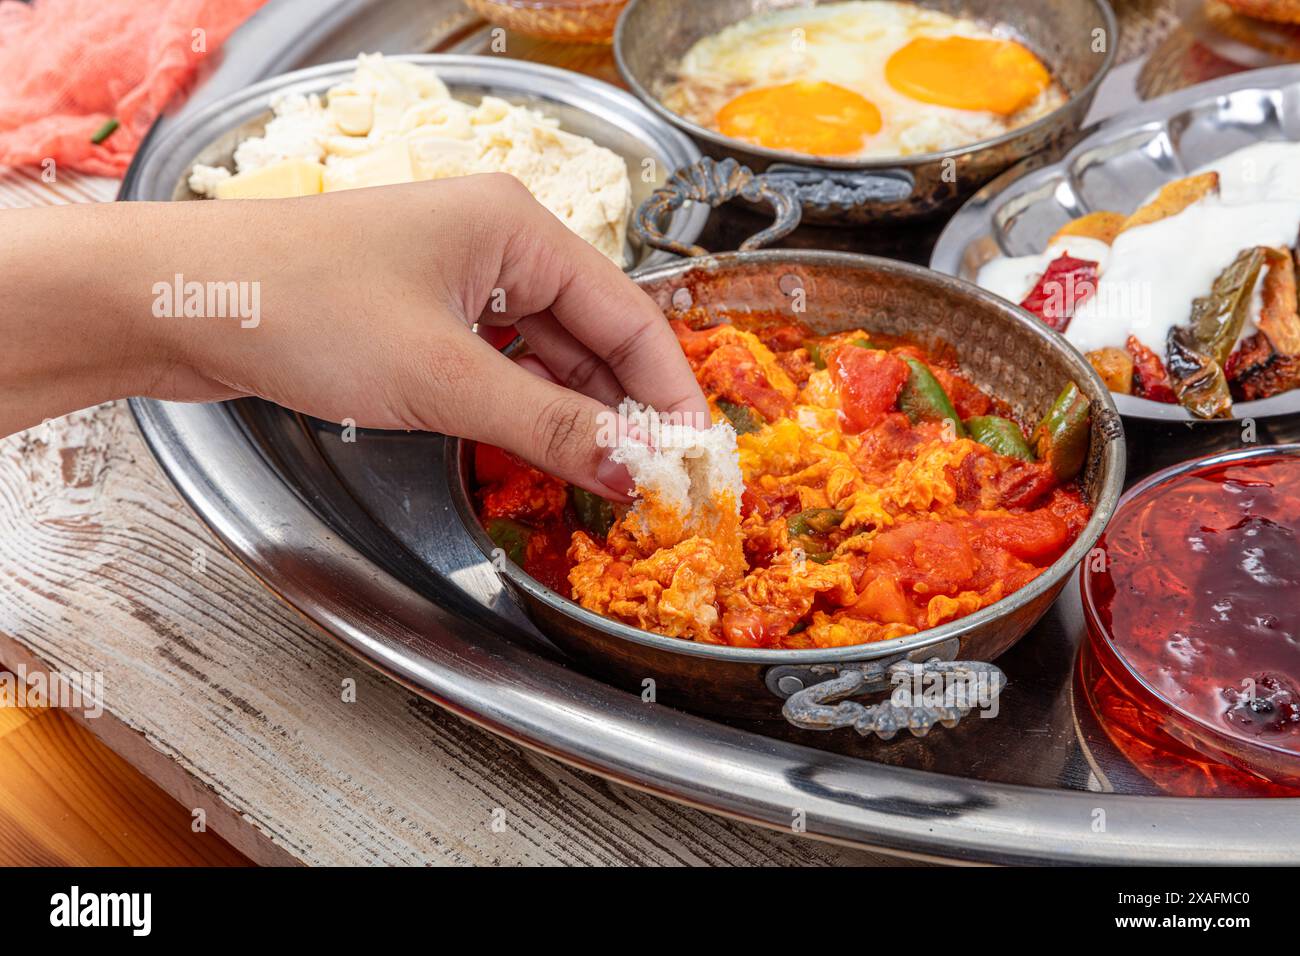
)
(366, 301)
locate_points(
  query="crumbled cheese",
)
(585, 185)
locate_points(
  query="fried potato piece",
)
(1278, 316)
(1103, 226)
(1115, 366)
(1173, 198)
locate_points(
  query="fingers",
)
(571, 363)
(605, 312)
(560, 431)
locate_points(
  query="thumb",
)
(562, 432)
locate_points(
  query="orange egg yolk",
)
(813, 117)
(968, 74)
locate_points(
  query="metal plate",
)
(362, 539)
(1115, 166)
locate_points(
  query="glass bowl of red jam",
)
(1192, 605)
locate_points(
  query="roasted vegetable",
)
(1173, 198)
(743, 418)
(511, 537)
(1067, 284)
(1061, 438)
(1150, 380)
(594, 512)
(1102, 226)
(815, 353)
(1217, 318)
(1268, 362)
(1001, 434)
(924, 400)
(1279, 313)
(1196, 352)
(1115, 366)
(1198, 380)
(1258, 370)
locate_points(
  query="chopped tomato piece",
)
(968, 400)
(1037, 536)
(732, 372)
(869, 381)
(493, 464)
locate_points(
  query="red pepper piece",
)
(1150, 380)
(1067, 284)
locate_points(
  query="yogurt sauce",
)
(1151, 274)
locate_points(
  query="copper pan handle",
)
(962, 685)
(715, 182)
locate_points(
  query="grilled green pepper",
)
(1061, 438)
(1217, 318)
(924, 400)
(511, 537)
(807, 529)
(1001, 434)
(1196, 352)
(1198, 380)
(743, 418)
(595, 513)
(814, 521)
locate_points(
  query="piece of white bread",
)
(692, 472)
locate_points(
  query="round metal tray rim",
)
(510, 691)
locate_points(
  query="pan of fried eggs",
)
(870, 109)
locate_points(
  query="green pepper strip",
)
(814, 521)
(924, 400)
(511, 537)
(1001, 434)
(1218, 317)
(1198, 380)
(743, 418)
(595, 513)
(815, 353)
(1061, 438)
(1195, 353)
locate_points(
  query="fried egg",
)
(860, 79)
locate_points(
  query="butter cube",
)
(389, 164)
(282, 180)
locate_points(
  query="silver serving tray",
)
(412, 595)
(1115, 166)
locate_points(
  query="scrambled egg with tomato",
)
(869, 512)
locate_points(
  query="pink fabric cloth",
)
(69, 66)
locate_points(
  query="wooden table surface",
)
(233, 706)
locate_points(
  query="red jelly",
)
(1193, 607)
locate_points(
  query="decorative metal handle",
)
(815, 707)
(715, 183)
(843, 189)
